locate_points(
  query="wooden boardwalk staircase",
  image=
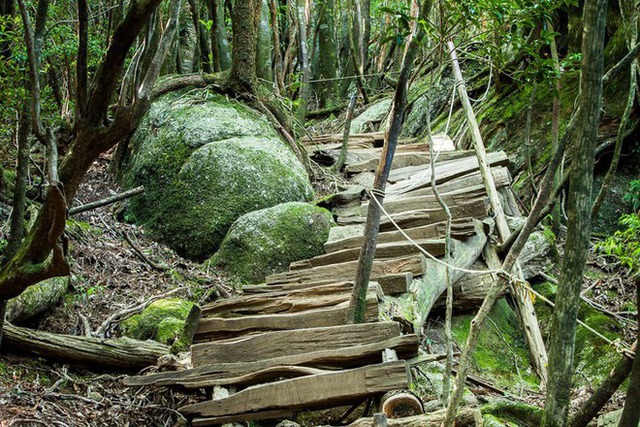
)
(284, 347)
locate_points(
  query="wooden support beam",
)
(227, 373)
(288, 343)
(309, 392)
(220, 328)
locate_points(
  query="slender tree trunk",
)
(278, 68)
(263, 58)
(562, 339)
(304, 61)
(357, 305)
(631, 411)
(202, 46)
(327, 56)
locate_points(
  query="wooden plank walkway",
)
(284, 346)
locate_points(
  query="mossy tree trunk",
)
(327, 55)
(563, 330)
(265, 44)
(631, 411)
(246, 16)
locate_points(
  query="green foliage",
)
(624, 245)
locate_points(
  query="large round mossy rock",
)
(267, 241)
(204, 161)
(162, 321)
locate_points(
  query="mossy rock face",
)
(162, 321)
(370, 120)
(204, 162)
(267, 241)
(502, 354)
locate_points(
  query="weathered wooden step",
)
(280, 301)
(406, 346)
(451, 199)
(309, 392)
(220, 328)
(474, 208)
(383, 251)
(282, 343)
(413, 177)
(500, 174)
(403, 160)
(360, 140)
(347, 271)
(460, 229)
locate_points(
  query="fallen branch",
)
(141, 254)
(107, 200)
(122, 354)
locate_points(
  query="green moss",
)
(267, 241)
(493, 357)
(507, 413)
(161, 321)
(204, 162)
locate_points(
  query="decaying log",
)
(351, 236)
(122, 354)
(406, 346)
(282, 343)
(401, 404)
(309, 392)
(36, 299)
(347, 270)
(219, 328)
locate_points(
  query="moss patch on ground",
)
(162, 321)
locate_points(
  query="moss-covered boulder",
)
(371, 119)
(162, 321)
(205, 161)
(267, 241)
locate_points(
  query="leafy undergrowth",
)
(108, 275)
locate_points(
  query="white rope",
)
(619, 345)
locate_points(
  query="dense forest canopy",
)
(552, 82)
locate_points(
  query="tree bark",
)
(246, 15)
(562, 339)
(327, 56)
(263, 67)
(631, 412)
(357, 305)
(121, 354)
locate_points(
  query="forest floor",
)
(111, 273)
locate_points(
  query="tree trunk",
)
(357, 306)
(301, 112)
(631, 411)
(264, 46)
(562, 338)
(327, 56)
(246, 15)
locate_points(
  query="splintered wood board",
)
(412, 177)
(460, 229)
(215, 328)
(309, 392)
(451, 199)
(282, 343)
(500, 174)
(383, 251)
(347, 271)
(474, 208)
(402, 160)
(283, 301)
(236, 373)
